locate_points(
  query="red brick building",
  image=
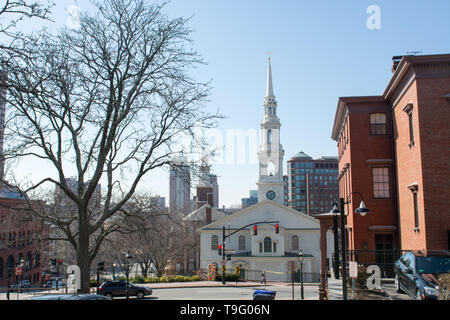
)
(394, 152)
(18, 241)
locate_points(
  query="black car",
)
(417, 273)
(112, 289)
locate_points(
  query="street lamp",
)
(128, 257)
(362, 210)
(300, 258)
(335, 211)
(9, 271)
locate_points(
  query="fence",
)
(256, 275)
(385, 259)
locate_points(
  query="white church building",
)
(281, 232)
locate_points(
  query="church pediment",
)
(266, 211)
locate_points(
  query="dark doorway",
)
(384, 245)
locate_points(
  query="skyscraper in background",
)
(312, 185)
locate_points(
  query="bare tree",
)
(112, 100)
(12, 12)
(150, 234)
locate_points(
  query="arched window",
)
(242, 243)
(267, 244)
(294, 243)
(378, 124)
(214, 242)
(10, 264)
(269, 136)
(28, 261)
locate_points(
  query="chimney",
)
(208, 215)
(395, 62)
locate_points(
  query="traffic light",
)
(255, 230)
(220, 250)
(60, 262)
(53, 262)
(277, 228)
(100, 266)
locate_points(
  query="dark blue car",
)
(417, 273)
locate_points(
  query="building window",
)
(414, 189)
(378, 125)
(269, 137)
(409, 111)
(380, 183)
(260, 247)
(214, 242)
(242, 243)
(416, 211)
(294, 243)
(267, 244)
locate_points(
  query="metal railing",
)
(385, 259)
(256, 275)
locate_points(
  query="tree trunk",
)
(83, 259)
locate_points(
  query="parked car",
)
(52, 283)
(24, 284)
(113, 289)
(417, 273)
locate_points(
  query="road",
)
(232, 293)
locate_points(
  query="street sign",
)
(18, 271)
(353, 269)
(224, 268)
(238, 270)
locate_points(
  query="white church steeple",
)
(270, 184)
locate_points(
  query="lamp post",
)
(335, 211)
(128, 257)
(362, 210)
(300, 258)
(10, 272)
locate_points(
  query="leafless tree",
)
(150, 234)
(110, 101)
(12, 12)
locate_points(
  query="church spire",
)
(269, 91)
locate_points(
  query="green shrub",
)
(139, 279)
(196, 278)
(163, 279)
(181, 279)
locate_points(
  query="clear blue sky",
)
(321, 50)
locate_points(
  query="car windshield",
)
(433, 264)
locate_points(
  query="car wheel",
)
(109, 295)
(418, 295)
(140, 295)
(397, 284)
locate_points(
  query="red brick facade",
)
(18, 240)
(401, 173)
